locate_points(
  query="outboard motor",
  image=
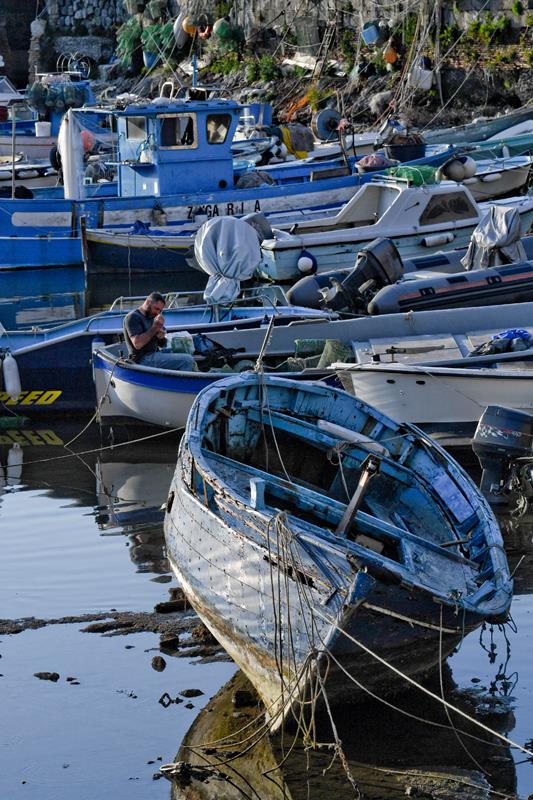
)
(378, 264)
(503, 443)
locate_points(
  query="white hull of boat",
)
(435, 395)
(419, 220)
(32, 146)
(119, 398)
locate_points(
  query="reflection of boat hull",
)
(384, 767)
(132, 492)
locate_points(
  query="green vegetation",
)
(226, 64)
(488, 29)
(252, 71)
(316, 97)
(158, 39)
(348, 45)
(517, 8)
(128, 40)
(449, 35)
(528, 55)
(409, 29)
(268, 68)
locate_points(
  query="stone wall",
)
(15, 19)
(85, 17)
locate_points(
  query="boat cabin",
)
(176, 147)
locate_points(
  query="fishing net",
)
(417, 176)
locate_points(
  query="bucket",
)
(420, 78)
(405, 152)
(43, 128)
(370, 33)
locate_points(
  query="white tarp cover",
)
(70, 146)
(228, 250)
(496, 240)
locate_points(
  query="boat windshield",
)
(447, 208)
(178, 131)
(217, 127)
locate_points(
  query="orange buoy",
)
(189, 26)
(390, 56)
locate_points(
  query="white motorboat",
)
(418, 219)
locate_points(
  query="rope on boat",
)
(446, 709)
(424, 689)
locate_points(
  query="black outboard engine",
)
(503, 443)
(378, 264)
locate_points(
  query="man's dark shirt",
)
(135, 323)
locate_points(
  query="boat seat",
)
(240, 476)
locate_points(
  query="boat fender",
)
(55, 158)
(307, 263)
(11, 376)
(436, 239)
(493, 176)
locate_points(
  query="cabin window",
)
(178, 130)
(136, 128)
(447, 208)
(218, 126)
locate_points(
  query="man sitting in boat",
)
(144, 332)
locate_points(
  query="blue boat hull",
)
(291, 579)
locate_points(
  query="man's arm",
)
(139, 340)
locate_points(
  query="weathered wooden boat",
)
(54, 363)
(127, 391)
(324, 544)
(418, 219)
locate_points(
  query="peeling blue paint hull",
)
(257, 536)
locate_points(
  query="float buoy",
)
(307, 263)
(11, 376)
(189, 26)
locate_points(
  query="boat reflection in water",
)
(388, 754)
(130, 497)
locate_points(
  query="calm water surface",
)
(83, 535)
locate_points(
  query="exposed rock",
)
(158, 663)
(191, 693)
(47, 676)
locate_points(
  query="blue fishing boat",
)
(173, 161)
(329, 549)
(54, 363)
